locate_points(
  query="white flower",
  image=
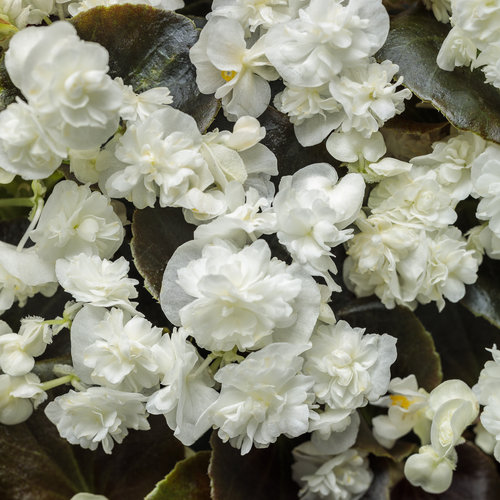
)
(88, 496)
(387, 259)
(26, 145)
(76, 220)
(140, 106)
(486, 184)
(262, 397)
(407, 405)
(159, 157)
(368, 96)
(376, 172)
(458, 49)
(489, 378)
(440, 8)
(450, 267)
(312, 211)
(255, 13)
(326, 37)
(349, 368)
(188, 387)
(23, 274)
(353, 146)
(429, 470)
(490, 418)
(485, 440)
(18, 395)
(16, 12)
(346, 476)
(230, 297)
(113, 349)
(488, 59)
(83, 164)
(312, 110)
(414, 197)
(97, 415)
(451, 159)
(65, 79)
(236, 74)
(17, 351)
(97, 281)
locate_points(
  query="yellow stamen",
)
(228, 75)
(399, 400)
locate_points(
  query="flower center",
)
(228, 75)
(399, 400)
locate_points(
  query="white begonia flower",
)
(326, 37)
(484, 439)
(312, 110)
(458, 49)
(489, 60)
(76, 220)
(333, 431)
(18, 396)
(430, 470)
(368, 96)
(349, 368)
(83, 164)
(140, 106)
(254, 13)
(97, 415)
(353, 146)
(97, 281)
(65, 80)
(376, 172)
(386, 259)
(16, 12)
(346, 476)
(489, 378)
(440, 8)
(451, 159)
(84, 5)
(490, 418)
(26, 145)
(251, 216)
(23, 274)
(17, 351)
(262, 398)
(312, 211)
(486, 184)
(229, 297)
(236, 74)
(407, 405)
(157, 158)
(188, 388)
(415, 198)
(113, 349)
(450, 267)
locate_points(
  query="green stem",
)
(50, 384)
(61, 321)
(17, 202)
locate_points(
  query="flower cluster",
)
(322, 49)
(473, 39)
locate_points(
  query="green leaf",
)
(263, 474)
(8, 91)
(188, 481)
(149, 48)
(37, 464)
(380, 486)
(156, 234)
(461, 95)
(483, 297)
(416, 350)
(476, 477)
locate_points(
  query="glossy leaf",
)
(461, 95)
(157, 232)
(187, 481)
(36, 464)
(416, 350)
(483, 297)
(150, 48)
(263, 474)
(8, 91)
